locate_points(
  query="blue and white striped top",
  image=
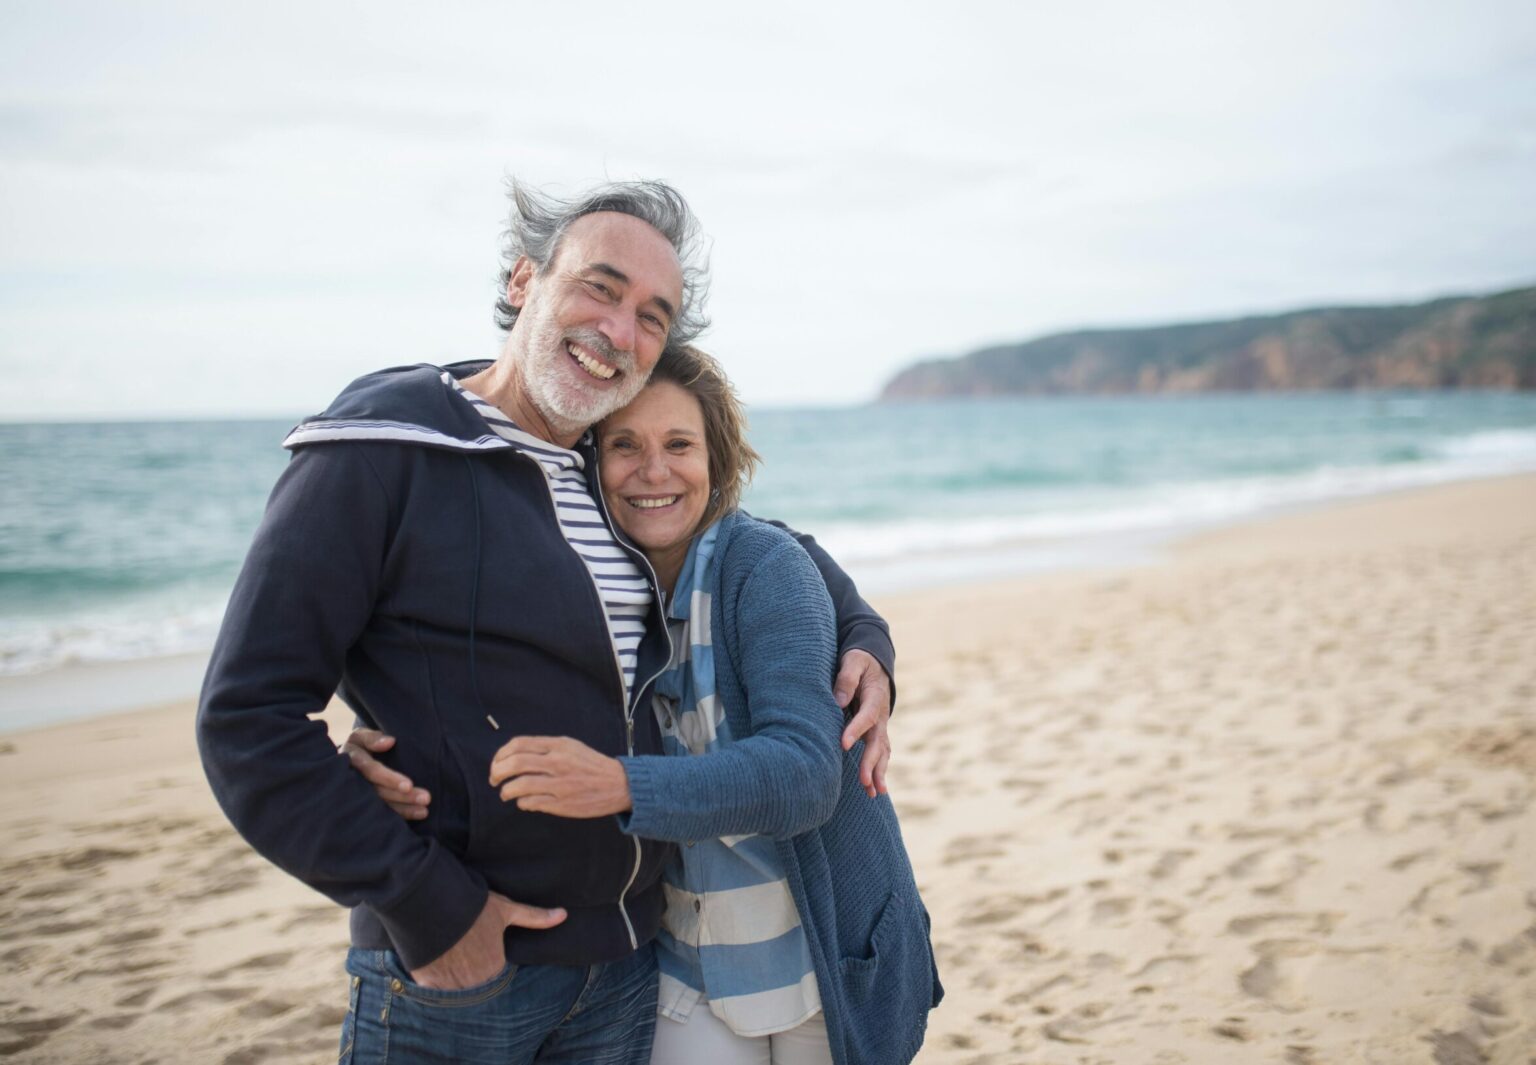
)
(624, 590)
(730, 934)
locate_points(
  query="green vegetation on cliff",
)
(1472, 342)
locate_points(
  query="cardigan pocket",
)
(859, 973)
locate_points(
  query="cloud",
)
(253, 191)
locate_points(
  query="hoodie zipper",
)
(618, 668)
(629, 716)
(627, 699)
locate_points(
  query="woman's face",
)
(655, 466)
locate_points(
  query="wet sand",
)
(1267, 801)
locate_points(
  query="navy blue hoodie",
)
(410, 559)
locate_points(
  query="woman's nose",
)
(654, 467)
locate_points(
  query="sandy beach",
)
(1269, 800)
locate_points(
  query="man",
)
(437, 548)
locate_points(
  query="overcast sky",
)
(234, 209)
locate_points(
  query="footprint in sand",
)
(1317, 923)
(329, 914)
(1020, 997)
(1246, 865)
(989, 915)
(1407, 861)
(209, 996)
(1108, 909)
(129, 937)
(49, 929)
(971, 848)
(51, 889)
(20, 1034)
(1454, 1048)
(125, 967)
(1165, 969)
(1481, 874)
(262, 1009)
(1270, 978)
(1513, 949)
(1029, 789)
(1080, 800)
(226, 880)
(275, 960)
(93, 858)
(136, 999)
(114, 1022)
(1235, 1029)
(19, 958)
(1169, 863)
(1081, 1023)
(325, 1019)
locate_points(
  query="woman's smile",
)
(651, 502)
(655, 473)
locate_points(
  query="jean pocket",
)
(349, 1023)
(401, 984)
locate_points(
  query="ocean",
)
(120, 541)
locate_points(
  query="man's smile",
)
(589, 361)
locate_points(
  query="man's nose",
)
(620, 329)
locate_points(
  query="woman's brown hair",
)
(732, 459)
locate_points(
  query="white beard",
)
(559, 389)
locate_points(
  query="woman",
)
(793, 932)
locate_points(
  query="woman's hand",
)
(394, 788)
(560, 776)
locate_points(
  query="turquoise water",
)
(120, 541)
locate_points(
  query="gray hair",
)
(538, 222)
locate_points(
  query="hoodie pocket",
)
(535, 858)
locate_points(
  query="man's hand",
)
(561, 776)
(862, 683)
(394, 788)
(481, 954)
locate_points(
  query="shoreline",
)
(98, 689)
(1272, 798)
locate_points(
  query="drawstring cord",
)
(474, 596)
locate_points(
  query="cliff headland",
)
(1486, 342)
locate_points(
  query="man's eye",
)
(654, 323)
(599, 287)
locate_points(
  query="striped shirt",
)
(730, 934)
(624, 590)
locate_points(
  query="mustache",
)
(592, 338)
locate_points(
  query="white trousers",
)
(705, 1039)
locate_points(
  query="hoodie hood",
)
(405, 404)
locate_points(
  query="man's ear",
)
(517, 284)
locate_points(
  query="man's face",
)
(591, 327)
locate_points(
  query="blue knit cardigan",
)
(786, 777)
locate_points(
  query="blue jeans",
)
(551, 1014)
